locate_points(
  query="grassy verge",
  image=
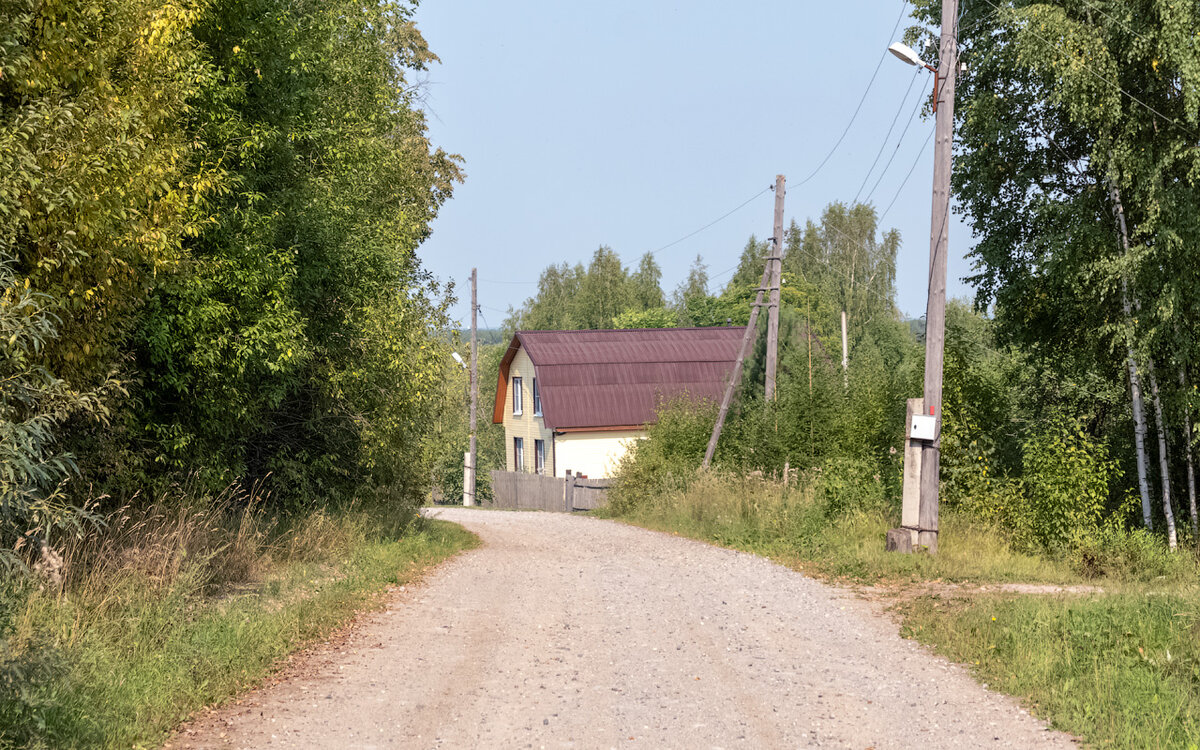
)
(792, 525)
(127, 652)
(1120, 669)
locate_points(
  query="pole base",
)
(901, 540)
(928, 540)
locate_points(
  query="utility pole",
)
(469, 489)
(935, 312)
(775, 269)
(736, 376)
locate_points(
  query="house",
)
(574, 400)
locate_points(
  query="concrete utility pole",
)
(935, 312)
(775, 268)
(469, 487)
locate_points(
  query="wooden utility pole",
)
(736, 376)
(775, 270)
(469, 489)
(935, 312)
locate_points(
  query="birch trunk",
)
(1187, 449)
(1135, 382)
(845, 354)
(1164, 463)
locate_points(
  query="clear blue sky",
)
(632, 123)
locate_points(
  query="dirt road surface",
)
(571, 632)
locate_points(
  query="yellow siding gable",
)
(526, 425)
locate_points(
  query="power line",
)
(1118, 21)
(911, 119)
(714, 222)
(916, 161)
(863, 98)
(900, 142)
(862, 246)
(883, 145)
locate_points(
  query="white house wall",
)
(595, 454)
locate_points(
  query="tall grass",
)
(183, 601)
(805, 524)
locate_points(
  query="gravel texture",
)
(571, 632)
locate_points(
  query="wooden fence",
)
(524, 491)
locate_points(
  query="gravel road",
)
(571, 632)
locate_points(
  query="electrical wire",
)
(899, 142)
(1116, 20)
(908, 176)
(714, 222)
(883, 145)
(863, 98)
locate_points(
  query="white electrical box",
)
(924, 427)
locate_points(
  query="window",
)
(518, 454)
(539, 455)
(517, 399)
(537, 399)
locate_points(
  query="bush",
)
(850, 485)
(668, 459)
(28, 672)
(1138, 554)
(1066, 480)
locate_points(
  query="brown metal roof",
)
(619, 377)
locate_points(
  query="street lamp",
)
(906, 53)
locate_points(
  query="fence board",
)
(590, 493)
(522, 491)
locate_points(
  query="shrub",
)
(850, 485)
(1066, 479)
(1113, 550)
(668, 459)
(28, 672)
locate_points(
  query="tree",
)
(658, 317)
(94, 193)
(750, 265)
(691, 298)
(647, 284)
(604, 292)
(850, 264)
(298, 338)
(1077, 188)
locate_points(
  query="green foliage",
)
(138, 641)
(1066, 477)
(669, 457)
(298, 341)
(849, 484)
(221, 203)
(34, 404)
(94, 192)
(656, 317)
(1046, 142)
(1117, 552)
(572, 298)
(30, 674)
(794, 525)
